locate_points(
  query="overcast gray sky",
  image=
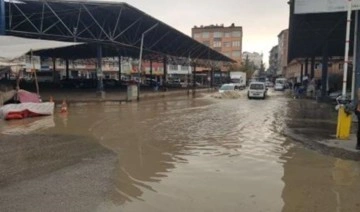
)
(262, 20)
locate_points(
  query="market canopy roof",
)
(13, 48)
(116, 25)
(309, 33)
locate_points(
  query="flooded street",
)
(176, 154)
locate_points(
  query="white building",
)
(254, 57)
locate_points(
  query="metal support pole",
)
(140, 56)
(212, 78)
(120, 67)
(347, 44)
(312, 69)
(99, 72)
(194, 80)
(2, 17)
(35, 75)
(302, 73)
(67, 69)
(165, 72)
(353, 83)
(221, 81)
(307, 67)
(151, 72)
(357, 62)
(324, 76)
(54, 68)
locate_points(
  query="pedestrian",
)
(357, 113)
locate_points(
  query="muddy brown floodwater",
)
(179, 154)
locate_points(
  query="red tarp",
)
(27, 97)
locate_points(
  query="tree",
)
(248, 67)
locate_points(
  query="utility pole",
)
(344, 120)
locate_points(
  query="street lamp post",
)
(140, 57)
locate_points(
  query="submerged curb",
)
(321, 146)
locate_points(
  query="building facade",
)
(273, 61)
(283, 46)
(226, 40)
(254, 57)
(295, 67)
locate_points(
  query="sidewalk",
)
(90, 96)
(313, 124)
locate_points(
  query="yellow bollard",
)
(344, 124)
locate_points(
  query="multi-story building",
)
(335, 67)
(283, 46)
(254, 57)
(226, 40)
(273, 61)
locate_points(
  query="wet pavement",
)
(178, 154)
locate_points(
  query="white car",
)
(257, 90)
(227, 87)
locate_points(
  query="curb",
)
(321, 147)
(143, 97)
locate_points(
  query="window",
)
(257, 87)
(218, 34)
(236, 43)
(236, 53)
(206, 43)
(227, 44)
(217, 44)
(236, 34)
(227, 34)
(173, 67)
(184, 68)
(227, 54)
(197, 35)
(205, 34)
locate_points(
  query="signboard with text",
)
(324, 6)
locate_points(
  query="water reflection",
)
(318, 183)
(145, 155)
(235, 141)
(197, 155)
(315, 182)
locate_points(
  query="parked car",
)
(257, 90)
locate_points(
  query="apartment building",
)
(226, 40)
(283, 46)
(335, 67)
(255, 57)
(273, 61)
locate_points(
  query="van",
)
(280, 84)
(257, 90)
